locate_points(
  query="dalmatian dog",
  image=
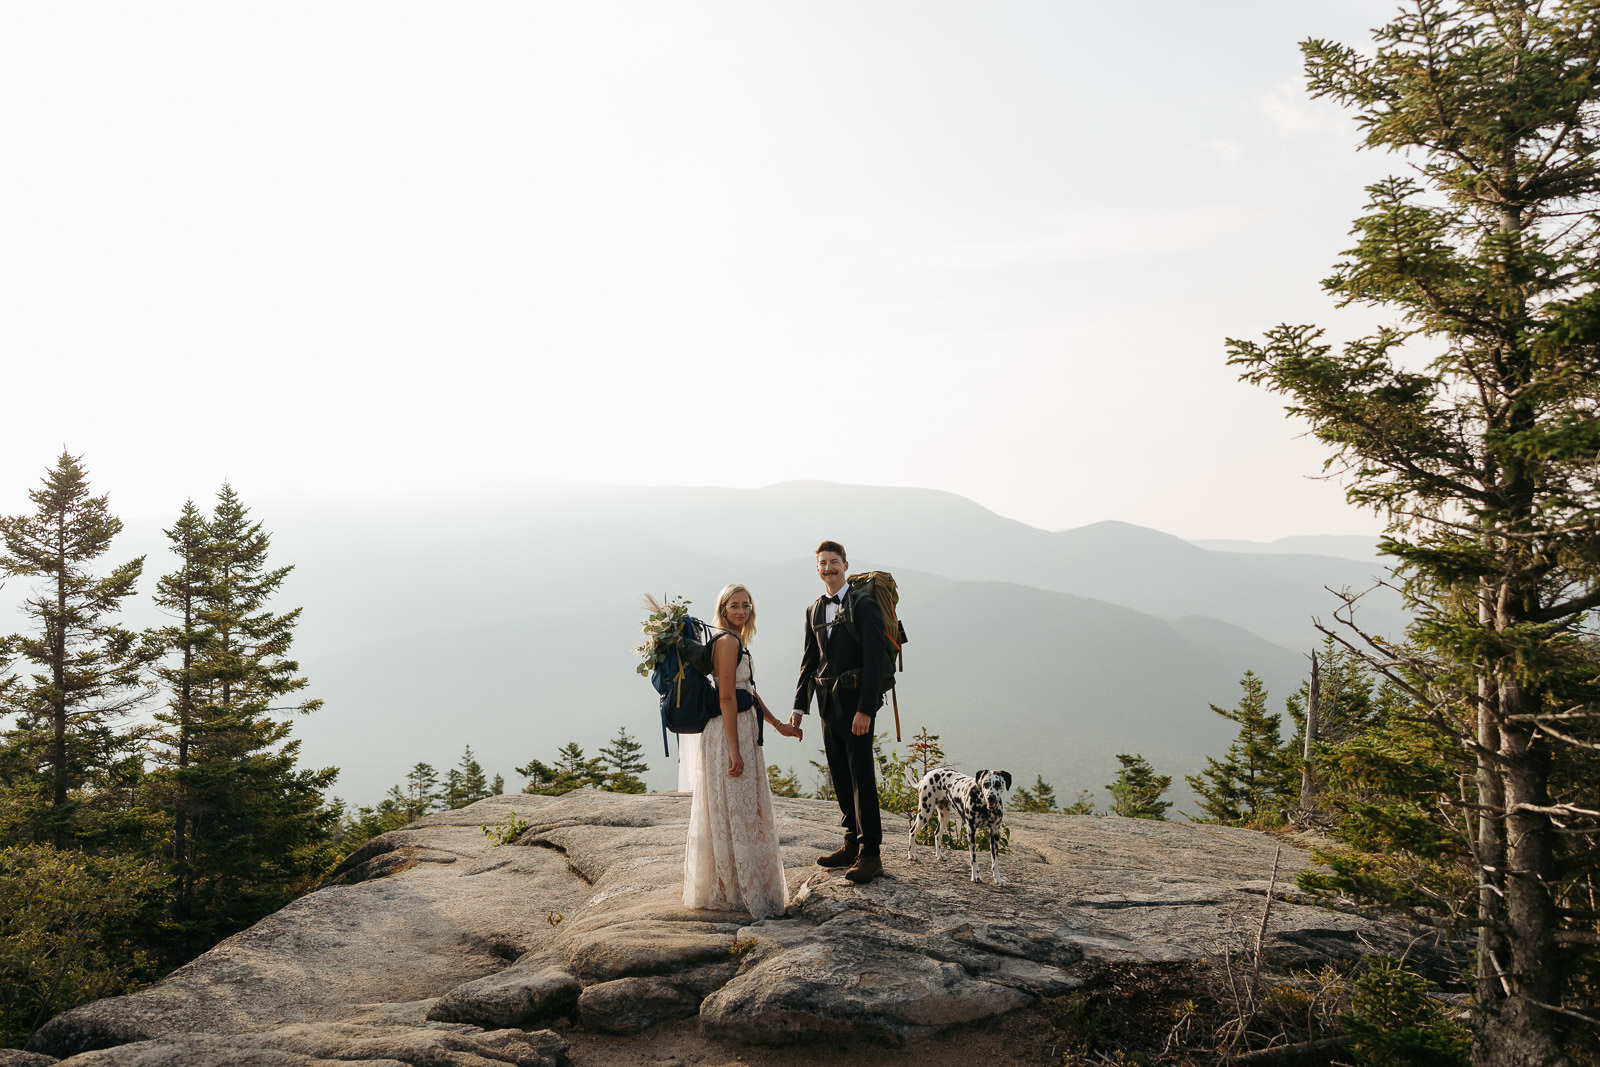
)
(978, 803)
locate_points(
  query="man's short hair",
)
(833, 546)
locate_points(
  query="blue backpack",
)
(682, 677)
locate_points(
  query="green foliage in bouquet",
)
(661, 630)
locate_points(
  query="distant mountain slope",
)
(1272, 596)
(1029, 680)
(1350, 546)
(507, 622)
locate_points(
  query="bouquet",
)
(662, 630)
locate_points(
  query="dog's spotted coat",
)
(978, 802)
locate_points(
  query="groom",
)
(844, 665)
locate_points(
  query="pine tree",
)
(90, 672)
(8, 655)
(571, 762)
(1346, 701)
(257, 830)
(1136, 794)
(824, 790)
(1042, 797)
(421, 794)
(572, 770)
(623, 763)
(185, 641)
(544, 779)
(1084, 805)
(1257, 777)
(465, 784)
(782, 784)
(1472, 422)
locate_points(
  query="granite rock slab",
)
(431, 945)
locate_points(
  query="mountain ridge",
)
(508, 623)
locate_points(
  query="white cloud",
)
(1295, 114)
(1227, 149)
(1097, 235)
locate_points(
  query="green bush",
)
(1394, 1023)
(68, 932)
(505, 830)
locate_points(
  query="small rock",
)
(644, 947)
(629, 1005)
(856, 991)
(513, 997)
(16, 1057)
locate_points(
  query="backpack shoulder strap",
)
(847, 614)
(743, 652)
(711, 641)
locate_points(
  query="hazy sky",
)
(360, 248)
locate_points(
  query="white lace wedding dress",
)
(732, 862)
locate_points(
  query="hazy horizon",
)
(513, 632)
(381, 248)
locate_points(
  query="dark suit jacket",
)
(829, 656)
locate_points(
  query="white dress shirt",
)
(831, 608)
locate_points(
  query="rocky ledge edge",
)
(430, 945)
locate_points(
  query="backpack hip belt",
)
(831, 685)
(850, 679)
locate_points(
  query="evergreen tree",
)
(571, 762)
(824, 790)
(352, 829)
(623, 763)
(1257, 777)
(1472, 424)
(465, 784)
(1346, 701)
(498, 786)
(545, 780)
(1042, 797)
(8, 655)
(1084, 805)
(421, 794)
(256, 828)
(1136, 794)
(185, 641)
(572, 770)
(783, 785)
(89, 671)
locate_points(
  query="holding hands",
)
(787, 729)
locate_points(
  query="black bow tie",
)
(830, 599)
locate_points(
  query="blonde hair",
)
(727, 594)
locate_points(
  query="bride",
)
(732, 862)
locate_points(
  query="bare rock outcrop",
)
(432, 946)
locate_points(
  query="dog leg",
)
(994, 857)
(972, 847)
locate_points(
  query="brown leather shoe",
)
(843, 856)
(865, 870)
